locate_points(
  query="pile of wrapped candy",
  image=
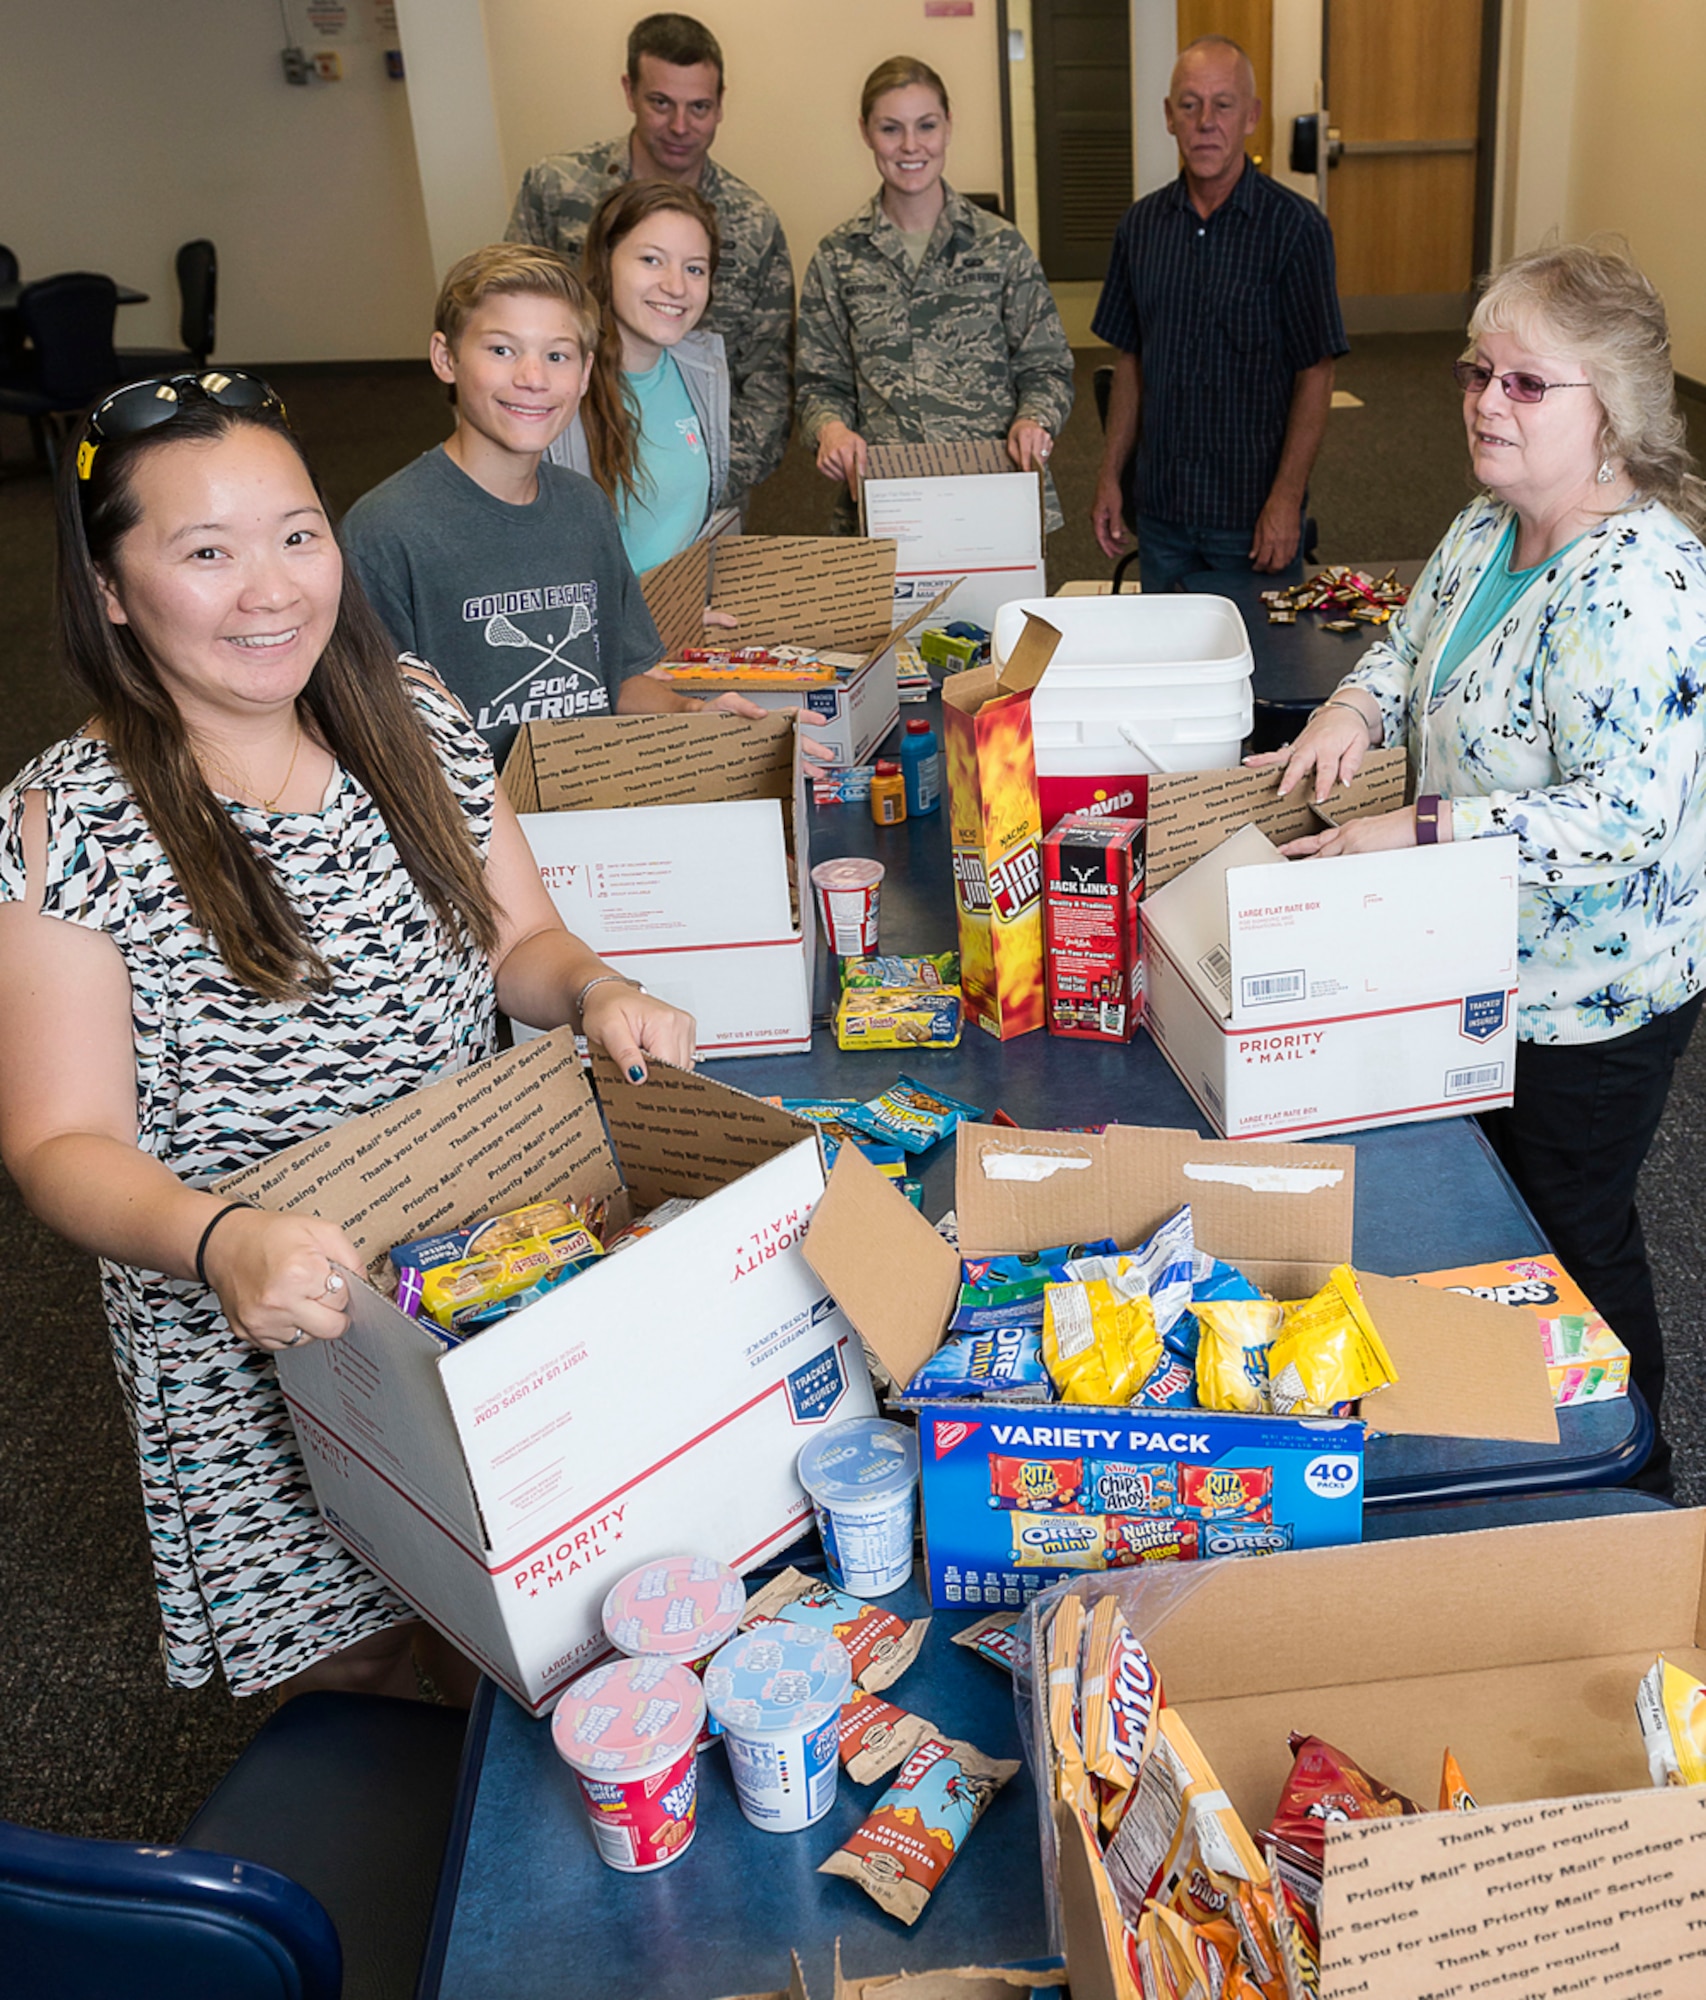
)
(1349, 597)
(1163, 1326)
(900, 1003)
(788, 666)
(1190, 1903)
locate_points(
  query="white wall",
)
(794, 68)
(127, 127)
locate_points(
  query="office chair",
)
(198, 298)
(11, 328)
(69, 323)
(309, 1874)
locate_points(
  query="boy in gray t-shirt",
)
(503, 573)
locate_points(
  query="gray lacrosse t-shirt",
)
(529, 614)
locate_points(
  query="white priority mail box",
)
(675, 846)
(1318, 996)
(659, 1400)
(962, 519)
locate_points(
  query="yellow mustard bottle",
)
(888, 794)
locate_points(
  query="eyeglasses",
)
(1472, 378)
(145, 406)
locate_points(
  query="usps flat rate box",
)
(676, 846)
(963, 520)
(658, 1401)
(1306, 997)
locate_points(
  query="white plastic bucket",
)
(1138, 685)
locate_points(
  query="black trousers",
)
(1573, 1141)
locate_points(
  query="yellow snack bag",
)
(1327, 1352)
(1671, 1709)
(1118, 1707)
(1098, 1346)
(1234, 1338)
(1071, 1778)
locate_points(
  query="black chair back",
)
(8, 266)
(69, 319)
(198, 295)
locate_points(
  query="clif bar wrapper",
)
(879, 1645)
(912, 1834)
(993, 1638)
(876, 1736)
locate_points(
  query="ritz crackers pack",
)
(995, 825)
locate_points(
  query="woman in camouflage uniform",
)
(925, 317)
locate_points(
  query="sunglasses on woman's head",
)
(145, 406)
(1472, 378)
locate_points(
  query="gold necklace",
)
(267, 805)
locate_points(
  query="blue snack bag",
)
(1159, 1269)
(909, 1115)
(1005, 1363)
(1170, 1385)
(1008, 1290)
(1210, 1279)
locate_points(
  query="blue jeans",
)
(1168, 553)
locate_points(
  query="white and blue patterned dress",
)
(1578, 726)
(247, 1574)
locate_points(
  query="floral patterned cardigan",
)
(1578, 726)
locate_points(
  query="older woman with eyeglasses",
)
(1548, 677)
(270, 884)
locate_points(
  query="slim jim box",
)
(995, 826)
(504, 1485)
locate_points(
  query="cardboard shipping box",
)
(966, 524)
(1283, 1214)
(1519, 1649)
(502, 1487)
(829, 592)
(964, 1982)
(676, 847)
(1304, 997)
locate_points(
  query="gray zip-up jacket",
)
(704, 369)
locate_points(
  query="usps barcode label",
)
(1216, 965)
(1270, 989)
(1468, 1082)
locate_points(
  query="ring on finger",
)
(334, 1282)
(296, 1339)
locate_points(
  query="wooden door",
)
(1083, 97)
(1404, 94)
(1249, 23)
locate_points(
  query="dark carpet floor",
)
(98, 1744)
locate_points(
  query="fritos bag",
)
(1120, 1706)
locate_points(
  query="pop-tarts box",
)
(1281, 1212)
(1015, 1497)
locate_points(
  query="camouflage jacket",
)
(752, 298)
(960, 348)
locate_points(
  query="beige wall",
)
(794, 71)
(126, 129)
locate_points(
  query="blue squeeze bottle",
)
(921, 768)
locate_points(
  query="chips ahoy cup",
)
(682, 1607)
(777, 1693)
(863, 1479)
(628, 1730)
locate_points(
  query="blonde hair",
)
(896, 74)
(511, 269)
(1590, 303)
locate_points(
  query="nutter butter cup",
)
(628, 1731)
(848, 896)
(777, 1693)
(863, 1479)
(682, 1607)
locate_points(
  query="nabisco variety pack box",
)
(503, 1486)
(995, 826)
(1092, 935)
(675, 846)
(823, 592)
(1306, 997)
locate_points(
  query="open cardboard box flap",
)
(966, 1982)
(1282, 1213)
(1518, 1648)
(1192, 813)
(649, 760)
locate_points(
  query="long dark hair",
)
(608, 411)
(355, 698)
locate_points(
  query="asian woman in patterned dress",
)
(270, 885)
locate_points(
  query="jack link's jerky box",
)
(995, 826)
(502, 1487)
(997, 1481)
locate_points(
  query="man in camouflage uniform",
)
(967, 346)
(674, 88)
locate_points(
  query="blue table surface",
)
(534, 1912)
